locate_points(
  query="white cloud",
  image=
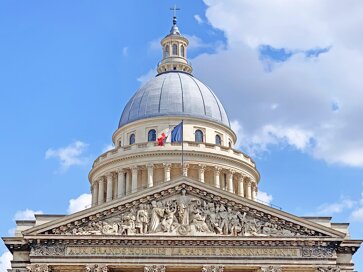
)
(26, 214)
(80, 203)
(264, 198)
(70, 155)
(198, 18)
(146, 77)
(335, 208)
(357, 214)
(256, 143)
(108, 147)
(125, 51)
(319, 98)
(5, 259)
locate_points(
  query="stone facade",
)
(155, 212)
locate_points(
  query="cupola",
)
(174, 47)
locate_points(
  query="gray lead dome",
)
(174, 94)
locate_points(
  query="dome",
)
(174, 94)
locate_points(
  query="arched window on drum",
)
(151, 136)
(166, 51)
(175, 49)
(199, 137)
(182, 51)
(132, 139)
(218, 140)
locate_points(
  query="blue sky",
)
(290, 84)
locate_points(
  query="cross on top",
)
(174, 9)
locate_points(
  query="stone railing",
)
(188, 146)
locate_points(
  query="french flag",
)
(176, 135)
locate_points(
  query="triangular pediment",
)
(183, 207)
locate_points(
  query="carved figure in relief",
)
(142, 219)
(212, 219)
(128, 225)
(168, 222)
(224, 219)
(199, 221)
(183, 209)
(183, 215)
(156, 215)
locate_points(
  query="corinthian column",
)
(241, 189)
(254, 192)
(230, 181)
(167, 167)
(201, 170)
(249, 188)
(109, 187)
(217, 172)
(101, 191)
(150, 175)
(128, 182)
(121, 186)
(134, 171)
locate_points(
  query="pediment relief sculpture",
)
(186, 214)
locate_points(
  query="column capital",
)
(134, 168)
(167, 165)
(201, 168)
(217, 169)
(150, 165)
(121, 171)
(101, 179)
(231, 171)
(109, 175)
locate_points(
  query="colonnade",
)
(125, 181)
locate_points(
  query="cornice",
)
(145, 154)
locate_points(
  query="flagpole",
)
(182, 146)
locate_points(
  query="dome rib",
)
(182, 92)
(174, 94)
(161, 92)
(200, 91)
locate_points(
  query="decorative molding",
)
(47, 250)
(212, 268)
(271, 269)
(328, 269)
(319, 252)
(38, 268)
(96, 268)
(154, 268)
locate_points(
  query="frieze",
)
(192, 212)
(182, 251)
